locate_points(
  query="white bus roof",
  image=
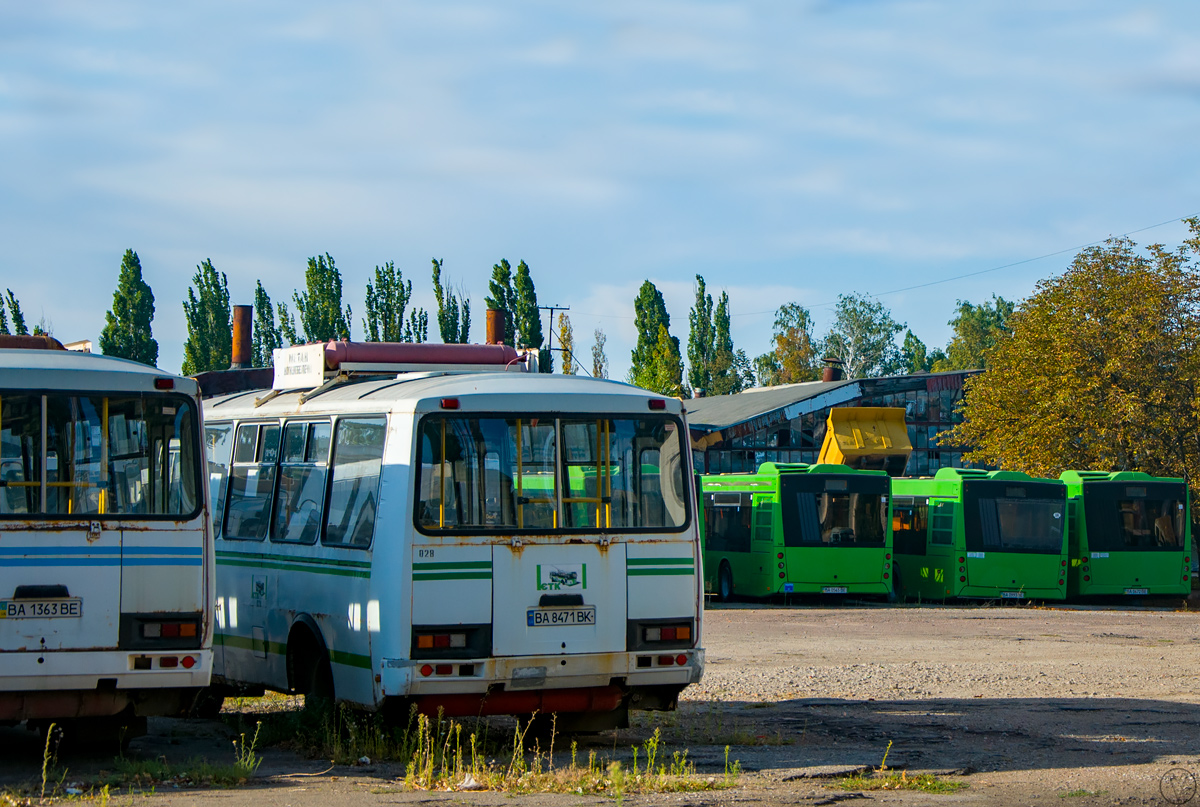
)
(423, 392)
(87, 372)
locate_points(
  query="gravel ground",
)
(1025, 704)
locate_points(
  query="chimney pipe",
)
(243, 329)
(832, 371)
(495, 327)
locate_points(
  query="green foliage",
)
(915, 357)
(18, 318)
(526, 317)
(702, 346)
(386, 302)
(454, 316)
(796, 353)
(599, 359)
(664, 372)
(652, 319)
(502, 297)
(977, 329)
(731, 369)
(287, 326)
(320, 306)
(566, 338)
(266, 337)
(206, 310)
(863, 337)
(924, 782)
(767, 370)
(126, 330)
(1101, 370)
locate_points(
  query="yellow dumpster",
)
(867, 438)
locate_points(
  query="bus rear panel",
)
(1130, 535)
(976, 534)
(105, 578)
(793, 528)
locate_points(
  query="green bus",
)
(1130, 534)
(797, 528)
(986, 534)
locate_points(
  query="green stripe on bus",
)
(350, 564)
(419, 577)
(295, 567)
(658, 572)
(661, 561)
(247, 643)
(466, 564)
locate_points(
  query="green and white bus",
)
(456, 536)
(1130, 534)
(796, 528)
(985, 534)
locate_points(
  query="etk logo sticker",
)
(562, 578)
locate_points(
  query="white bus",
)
(475, 541)
(106, 555)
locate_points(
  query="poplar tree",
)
(454, 316)
(701, 347)
(386, 302)
(18, 318)
(209, 344)
(650, 312)
(731, 370)
(320, 306)
(599, 359)
(127, 332)
(526, 317)
(265, 338)
(566, 338)
(501, 297)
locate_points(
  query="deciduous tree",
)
(796, 353)
(599, 359)
(127, 325)
(454, 316)
(863, 337)
(1101, 370)
(209, 344)
(266, 337)
(977, 329)
(701, 347)
(320, 306)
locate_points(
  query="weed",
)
(925, 782)
(1081, 793)
(247, 760)
(47, 758)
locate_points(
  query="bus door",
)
(60, 564)
(1136, 535)
(1015, 536)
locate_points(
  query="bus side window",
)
(218, 440)
(941, 527)
(252, 482)
(910, 525)
(301, 495)
(354, 490)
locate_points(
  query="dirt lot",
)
(1027, 705)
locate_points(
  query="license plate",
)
(555, 617)
(834, 590)
(41, 609)
(1137, 591)
(1012, 595)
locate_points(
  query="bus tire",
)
(309, 671)
(208, 702)
(725, 583)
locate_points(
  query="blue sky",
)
(787, 151)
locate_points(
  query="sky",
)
(788, 151)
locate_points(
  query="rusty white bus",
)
(106, 555)
(421, 526)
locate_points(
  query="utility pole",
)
(550, 332)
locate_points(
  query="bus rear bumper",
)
(68, 684)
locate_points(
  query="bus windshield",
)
(822, 510)
(1015, 517)
(540, 473)
(1122, 517)
(68, 454)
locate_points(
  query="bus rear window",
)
(1143, 518)
(814, 516)
(547, 474)
(63, 454)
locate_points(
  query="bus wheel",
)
(208, 702)
(725, 583)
